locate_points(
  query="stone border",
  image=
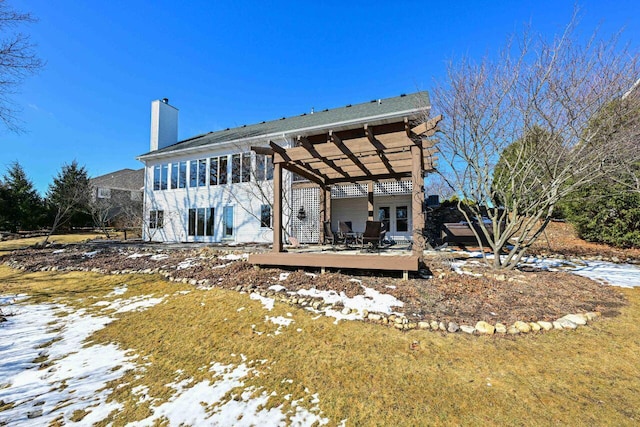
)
(569, 321)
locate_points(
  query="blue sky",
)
(225, 64)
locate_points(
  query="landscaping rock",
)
(434, 325)
(522, 327)
(485, 328)
(534, 326)
(468, 329)
(578, 319)
(547, 326)
(374, 317)
(453, 327)
(557, 325)
(442, 326)
(424, 325)
(501, 328)
(592, 315)
(566, 323)
(346, 311)
(512, 330)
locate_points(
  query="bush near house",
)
(606, 212)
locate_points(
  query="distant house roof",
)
(375, 110)
(124, 179)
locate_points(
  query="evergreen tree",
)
(68, 197)
(22, 207)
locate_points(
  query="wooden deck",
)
(404, 263)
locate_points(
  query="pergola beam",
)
(345, 150)
(304, 142)
(359, 146)
(427, 128)
(381, 154)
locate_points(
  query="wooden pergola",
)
(368, 154)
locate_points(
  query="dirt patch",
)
(447, 296)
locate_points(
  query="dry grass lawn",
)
(15, 244)
(366, 374)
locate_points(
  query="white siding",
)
(244, 197)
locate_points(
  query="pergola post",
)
(277, 207)
(325, 209)
(417, 201)
(370, 201)
(327, 203)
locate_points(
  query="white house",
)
(218, 187)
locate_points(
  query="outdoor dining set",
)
(372, 236)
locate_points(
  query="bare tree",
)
(537, 100)
(17, 61)
(257, 190)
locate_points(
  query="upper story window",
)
(198, 173)
(218, 170)
(178, 175)
(160, 176)
(104, 193)
(264, 167)
(241, 167)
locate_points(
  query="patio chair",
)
(373, 234)
(346, 234)
(329, 235)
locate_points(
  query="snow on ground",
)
(72, 376)
(372, 300)
(267, 303)
(204, 403)
(607, 273)
(137, 255)
(234, 257)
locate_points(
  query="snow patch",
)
(234, 257)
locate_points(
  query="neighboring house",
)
(218, 187)
(118, 196)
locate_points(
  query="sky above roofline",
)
(225, 65)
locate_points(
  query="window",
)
(182, 175)
(178, 175)
(193, 173)
(201, 222)
(264, 168)
(213, 171)
(265, 216)
(174, 175)
(227, 221)
(218, 170)
(235, 168)
(156, 177)
(385, 217)
(160, 177)
(402, 218)
(164, 178)
(156, 219)
(202, 172)
(104, 193)
(241, 168)
(222, 170)
(246, 167)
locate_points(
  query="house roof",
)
(124, 179)
(375, 110)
